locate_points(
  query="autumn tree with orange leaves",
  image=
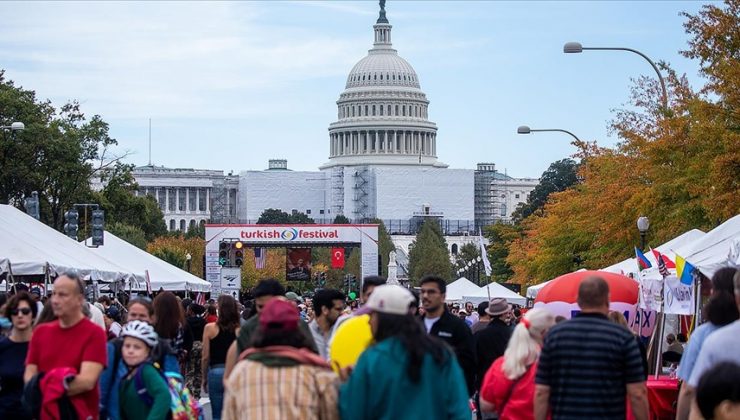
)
(678, 166)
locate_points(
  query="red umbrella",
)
(565, 287)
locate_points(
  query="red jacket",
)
(52, 389)
(512, 399)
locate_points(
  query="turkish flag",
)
(337, 258)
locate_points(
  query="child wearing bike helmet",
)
(143, 393)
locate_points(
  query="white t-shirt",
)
(429, 323)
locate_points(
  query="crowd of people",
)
(404, 354)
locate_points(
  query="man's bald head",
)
(593, 293)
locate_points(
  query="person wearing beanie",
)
(265, 291)
(139, 339)
(405, 373)
(280, 376)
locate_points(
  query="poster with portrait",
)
(298, 264)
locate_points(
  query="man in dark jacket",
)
(440, 323)
(491, 341)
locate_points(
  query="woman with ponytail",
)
(508, 387)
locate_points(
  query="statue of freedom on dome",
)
(382, 18)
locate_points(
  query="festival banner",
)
(298, 264)
(678, 297)
(651, 289)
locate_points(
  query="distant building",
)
(382, 164)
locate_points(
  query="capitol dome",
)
(382, 68)
(382, 115)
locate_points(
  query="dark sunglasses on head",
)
(24, 311)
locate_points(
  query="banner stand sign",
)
(291, 237)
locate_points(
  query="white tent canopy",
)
(29, 247)
(161, 273)
(711, 252)
(465, 290)
(496, 291)
(668, 249)
(459, 288)
(533, 290)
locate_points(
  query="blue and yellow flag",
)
(684, 270)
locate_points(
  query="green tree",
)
(500, 236)
(196, 231)
(131, 234)
(56, 155)
(385, 246)
(122, 206)
(428, 254)
(273, 217)
(174, 256)
(279, 217)
(341, 219)
(559, 176)
(299, 218)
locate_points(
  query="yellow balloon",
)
(350, 340)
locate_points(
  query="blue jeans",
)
(216, 390)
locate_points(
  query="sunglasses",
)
(24, 311)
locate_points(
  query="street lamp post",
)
(643, 224)
(523, 129)
(16, 126)
(188, 258)
(576, 48)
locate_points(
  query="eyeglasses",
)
(24, 311)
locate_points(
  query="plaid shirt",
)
(257, 391)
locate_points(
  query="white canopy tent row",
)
(31, 248)
(161, 273)
(716, 249)
(464, 290)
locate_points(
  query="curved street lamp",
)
(577, 48)
(523, 129)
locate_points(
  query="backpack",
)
(182, 404)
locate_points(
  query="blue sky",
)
(229, 85)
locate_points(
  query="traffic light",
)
(322, 279)
(72, 219)
(223, 253)
(238, 254)
(98, 227)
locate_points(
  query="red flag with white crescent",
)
(337, 258)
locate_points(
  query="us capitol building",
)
(382, 164)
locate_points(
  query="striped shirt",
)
(257, 391)
(587, 362)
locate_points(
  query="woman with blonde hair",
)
(508, 387)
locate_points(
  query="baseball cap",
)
(390, 299)
(293, 296)
(279, 315)
(497, 306)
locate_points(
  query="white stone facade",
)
(185, 195)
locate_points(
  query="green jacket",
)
(134, 408)
(243, 341)
(379, 387)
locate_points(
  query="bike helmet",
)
(142, 331)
